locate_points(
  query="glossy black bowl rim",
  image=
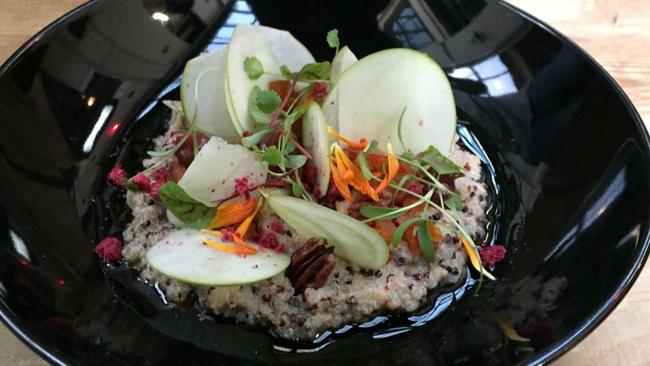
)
(548, 354)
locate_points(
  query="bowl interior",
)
(568, 152)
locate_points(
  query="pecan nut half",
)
(311, 265)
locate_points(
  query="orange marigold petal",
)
(232, 213)
(243, 227)
(235, 249)
(362, 144)
(340, 185)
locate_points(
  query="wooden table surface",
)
(615, 32)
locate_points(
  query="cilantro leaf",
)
(254, 139)
(267, 101)
(439, 162)
(253, 108)
(333, 38)
(285, 72)
(272, 156)
(426, 242)
(191, 212)
(309, 72)
(253, 67)
(315, 71)
(295, 161)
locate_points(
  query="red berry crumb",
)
(415, 188)
(142, 182)
(241, 188)
(159, 178)
(492, 254)
(118, 176)
(246, 133)
(309, 176)
(269, 241)
(227, 234)
(320, 91)
(278, 227)
(109, 249)
(333, 194)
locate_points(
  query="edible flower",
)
(393, 167)
(362, 144)
(474, 258)
(235, 249)
(233, 213)
(345, 173)
(242, 248)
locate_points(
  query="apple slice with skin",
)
(273, 48)
(372, 93)
(183, 256)
(203, 95)
(211, 176)
(316, 139)
(352, 239)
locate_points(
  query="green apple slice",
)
(273, 48)
(342, 61)
(316, 140)
(203, 95)
(370, 96)
(211, 176)
(352, 239)
(183, 256)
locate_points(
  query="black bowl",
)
(568, 151)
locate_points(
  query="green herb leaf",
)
(363, 164)
(272, 156)
(131, 186)
(372, 147)
(285, 72)
(295, 161)
(401, 229)
(315, 71)
(388, 213)
(426, 242)
(399, 128)
(254, 139)
(191, 212)
(267, 101)
(454, 202)
(407, 155)
(253, 108)
(297, 189)
(333, 38)
(253, 67)
(292, 117)
(385, 213)
(439, 162)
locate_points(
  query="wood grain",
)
(615, 32)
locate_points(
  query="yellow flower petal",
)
(243, 227)
(474, 258)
